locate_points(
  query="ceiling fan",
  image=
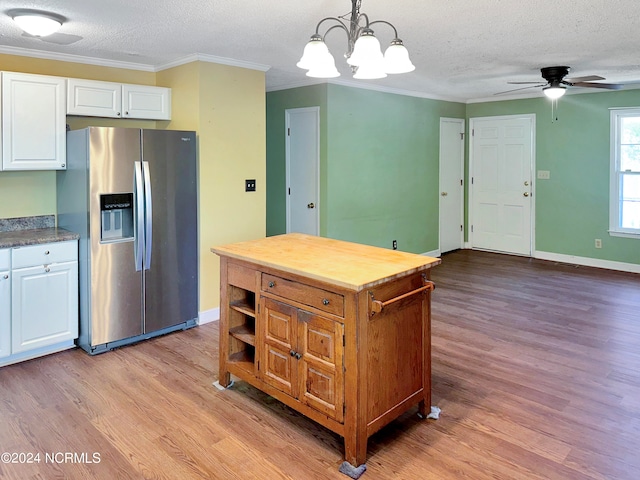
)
(557, 84)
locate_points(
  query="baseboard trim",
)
(209, 316)
(588, 262)
(432, 253)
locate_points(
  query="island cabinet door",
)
(278, 364)
(321, 366)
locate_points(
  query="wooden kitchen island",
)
(338, 331)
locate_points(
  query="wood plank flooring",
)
(536, 367)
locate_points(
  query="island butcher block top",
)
(349, 265)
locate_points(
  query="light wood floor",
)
(536, 367)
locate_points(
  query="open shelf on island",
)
(244, 333)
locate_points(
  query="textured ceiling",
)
(463, 50)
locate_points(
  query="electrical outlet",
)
(544, 174)
(395, 244)
(598, 243)
(250, 185)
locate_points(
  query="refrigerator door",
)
(115, 286)
(171, 272)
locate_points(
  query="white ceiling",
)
(464, 50)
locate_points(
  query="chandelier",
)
(363, 49)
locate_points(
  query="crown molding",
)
(65, 57)
(201, 57)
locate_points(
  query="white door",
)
(303, 166)
(451, 184)
(501, 166)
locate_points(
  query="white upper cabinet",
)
(141, 101)
(94, 99)
(33, 122)
(108, 99)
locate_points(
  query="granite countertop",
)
(22, 231)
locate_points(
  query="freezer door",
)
(115, 286)
(171, 271)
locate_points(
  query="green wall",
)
(277, 103)
(379, 167)
(379, 164)
(572, 207)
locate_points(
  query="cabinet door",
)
(94, 99)
(321, 372)
(278, 365)
(5, 314)
(143, 101)
(33, 122)
(44, 305)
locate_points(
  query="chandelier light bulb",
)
(366, 49)
(396, 58)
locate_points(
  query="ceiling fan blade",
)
(522, 83)
(523, 88)
(608, 86)
(588, 78)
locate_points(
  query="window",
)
(624, 200)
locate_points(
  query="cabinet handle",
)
(47, 269)
(46, 252)
(118, 114)
(298, 356)
(272, 284)
(292, 353)
(325, 301)
(5, 276)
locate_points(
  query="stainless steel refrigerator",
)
(131, 194)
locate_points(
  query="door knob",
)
(311, 205)
(526, 194)
(444, 194)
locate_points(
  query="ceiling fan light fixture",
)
(38, 24)
(554, 91)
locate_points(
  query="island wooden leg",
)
(224, 377)
(355, 449)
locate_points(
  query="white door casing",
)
(501, 163)
(302, 129)
(451, 178)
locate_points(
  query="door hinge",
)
(258, 308)
(258, 365)
(471, 228)
(461, 136)
(460, 227)
(471, 180)
(473, 132)
(288, 132)
(289, 191)
(343, 341)
(461, 182)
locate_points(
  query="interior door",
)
(451, 184)
(501, 166)
(303, 166)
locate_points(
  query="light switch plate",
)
(544, 174)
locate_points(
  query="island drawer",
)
(306, 294)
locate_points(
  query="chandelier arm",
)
(340, 24)
(395, 32)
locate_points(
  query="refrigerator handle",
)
(147, 215)
(138, 218)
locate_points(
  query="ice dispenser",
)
(116, 217)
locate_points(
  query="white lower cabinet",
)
(44, 306)
(43, 293)
(5, 304)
